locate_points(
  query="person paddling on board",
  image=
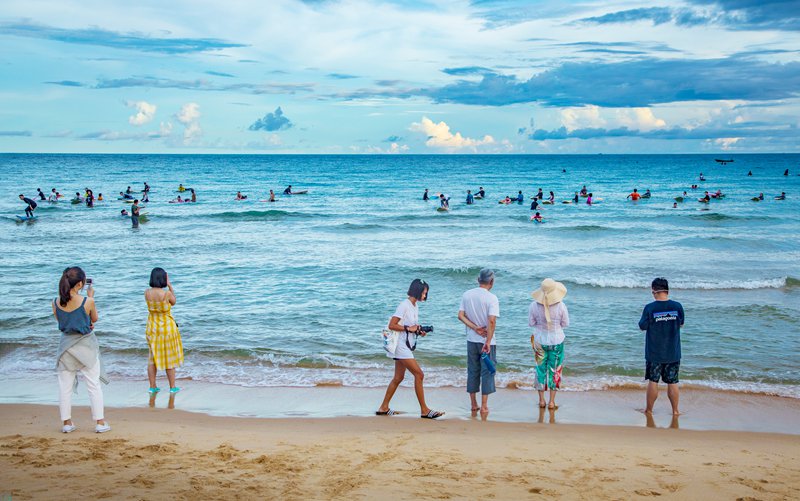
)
(239, 196)
(288, 190)
(125, 196)
(31, 205)
(425, 196)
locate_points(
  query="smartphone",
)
(89, 282)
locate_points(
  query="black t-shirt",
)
(135, 211)
(29, 202)
(662, 320)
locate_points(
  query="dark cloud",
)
(387, 83)
(205, 85)
(731, 14)
(271, 122)
(740, 130)
(105, 38)
(340, 76)
(467, 70)
(16, 133)
(220, 74)
(67, 83)
(641, 82)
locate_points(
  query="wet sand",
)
(158, 453)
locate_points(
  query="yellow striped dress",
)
(163, 338)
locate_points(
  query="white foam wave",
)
(680, 283)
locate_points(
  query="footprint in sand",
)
(647, 492)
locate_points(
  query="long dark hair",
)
(69, 279)
(158, 278)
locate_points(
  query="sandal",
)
(154, 390)
(390, 412)
(432, 414)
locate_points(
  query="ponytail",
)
(69, 279)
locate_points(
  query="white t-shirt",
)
(478, 304)
(409, 315)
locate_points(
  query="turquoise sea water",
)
(295, 293)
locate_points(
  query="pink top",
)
(554, 333)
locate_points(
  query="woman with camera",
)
(163, 338)
(78, 350)
(405, 321)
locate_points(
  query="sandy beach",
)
(156, 453)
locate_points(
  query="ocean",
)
(295, 293)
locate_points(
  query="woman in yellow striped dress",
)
(163, 338)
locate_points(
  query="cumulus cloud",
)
(144, 112)
(440, 137)
(189, 117)
(583, 117)
(639, 118)
(271, 122)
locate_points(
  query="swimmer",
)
(129, 190)
(702, 178)
(99, 197)
(520, 198)
(124, 213)
(634, 196)
(537, 217)
(425, 195)
(535, 203)
(749, 173)
(181, 189)
(125, 196)
(674, 205)
(470, 198)
(786, 172)
(647, 193)
(507, 200)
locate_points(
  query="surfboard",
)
(441, 209)
(679, 199)
(478, 197)
(702, 200)
(301, 192)
(566, 201)
(755, 199)
(547, 202)
(26, 218)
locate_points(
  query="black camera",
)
(426, 329)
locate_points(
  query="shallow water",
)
(295, 293)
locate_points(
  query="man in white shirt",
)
(478, 312)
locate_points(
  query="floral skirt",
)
(549, 359)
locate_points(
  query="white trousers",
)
(66, 382)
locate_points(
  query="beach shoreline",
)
(157, 453)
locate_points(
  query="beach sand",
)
(158, 453)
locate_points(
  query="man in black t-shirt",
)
(31, 205)
(662, 319)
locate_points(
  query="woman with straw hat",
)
(548, 316)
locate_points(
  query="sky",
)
(401, 76)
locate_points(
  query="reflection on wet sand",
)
(170, 404)
(651, 422)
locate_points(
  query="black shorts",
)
(667, 372)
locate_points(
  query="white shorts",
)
(402, 352)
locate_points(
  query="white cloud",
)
(189, 117)
(439, 136)
(726, 142)
(144, 112)
(585, 117)
(639, 118)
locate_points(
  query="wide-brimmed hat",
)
(550, 292)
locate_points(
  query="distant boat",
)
(722, 161)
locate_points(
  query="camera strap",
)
(412, 348)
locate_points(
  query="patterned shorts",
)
(667, 372)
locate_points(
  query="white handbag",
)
(390, 339)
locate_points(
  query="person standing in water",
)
(470, 198)
(425, 195)
(135, 214)
(163, 338)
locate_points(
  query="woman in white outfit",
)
(78, 350)
(405, 321)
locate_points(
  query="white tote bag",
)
(390, 339)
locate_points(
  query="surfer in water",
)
(194, 196)
(552, 198)
(782, 196)
(288, 190)
(481, 193)
(41, 194)
(444, 201)
(535, 203)
(589, 199)
(271, 196)
(239, 196)
(540, 195)
(584, 191)
(647, 193)
(575, 198)
(31, 205)
(425, 195)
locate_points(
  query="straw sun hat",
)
(548, 294)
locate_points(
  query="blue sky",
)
(328, 76)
